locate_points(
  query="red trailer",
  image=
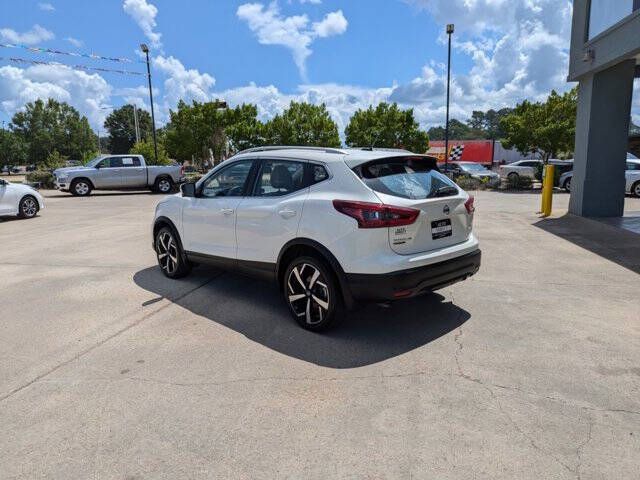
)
(479, 151)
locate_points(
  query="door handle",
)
(226, 211)
(287, 213)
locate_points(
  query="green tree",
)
(122, 130)
(303, 124)
(386, 126)
(13, 150)
(244, 130)
(45, 127)
(146, 149)
(457, 131)
(198, 130)
(545, 128)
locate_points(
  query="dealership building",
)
(605, 54)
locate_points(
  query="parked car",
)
(521, 168)
(376, 226)
(31, 168)
(632, 176)
(18, 199)
(472, 170)
(9, 169)
(118, 172)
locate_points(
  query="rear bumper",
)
(415, 281)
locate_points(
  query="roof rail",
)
(336, 151)
(380, 149)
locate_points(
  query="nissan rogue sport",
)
(331, 226)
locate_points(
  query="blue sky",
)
(345, 53)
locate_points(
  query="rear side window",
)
(406, 177)
(279, 177)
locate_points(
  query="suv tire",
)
(311, 292)
(514, 177)
(81, 187)
(28, 207)
(171, 258)
(163, 185)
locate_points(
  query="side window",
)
(228, 182)
(318, 174)
(116, 162)
(279, 177)
(130, 162)
(105, 163)
(633, 166)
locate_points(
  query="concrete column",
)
(602, 136)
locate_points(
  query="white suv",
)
(331, 226)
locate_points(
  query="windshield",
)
(406, 177)
(472, 167)
(631, 156)
(94, 162)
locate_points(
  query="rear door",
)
(269, 217)
(408, 182)
(134, 174)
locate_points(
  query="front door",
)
(109, 173)
(209, 219)
(269, 218)
(8, 200)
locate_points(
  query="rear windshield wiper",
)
(446, 191)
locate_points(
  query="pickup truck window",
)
(130, 162)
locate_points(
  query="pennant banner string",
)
(51, 51)
(78, 67)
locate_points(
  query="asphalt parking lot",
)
(529, 370)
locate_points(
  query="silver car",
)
(632, 177)
(118, 172)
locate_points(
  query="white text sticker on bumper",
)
(402, 235)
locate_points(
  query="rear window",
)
(406, 177)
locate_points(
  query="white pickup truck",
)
(118, 172)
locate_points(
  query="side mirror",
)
(188, 189)
(98, 166)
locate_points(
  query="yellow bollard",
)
(547, 190)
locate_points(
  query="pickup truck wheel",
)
(171, 258)
(163, 185)
(80, 188)
(310, 290)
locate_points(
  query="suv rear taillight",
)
(470, 205)
(376, 215)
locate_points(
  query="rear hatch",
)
(414, 182)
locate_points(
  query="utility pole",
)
(145, 50)
(135, 122)
(450, 30)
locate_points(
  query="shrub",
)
(519, 183)
(147, 150)
(42, 178)
(193, 177)
(469, 183)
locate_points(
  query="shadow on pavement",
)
(58, 194)
(256, 309)
(613, 243)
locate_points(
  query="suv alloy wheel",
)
(311, 293)
(171, 258)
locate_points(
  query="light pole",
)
(145, 50)
(450, 29)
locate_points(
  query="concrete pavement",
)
(108, 370)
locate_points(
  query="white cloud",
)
(86, 92)
(37, 34)
(144, 15)
(294, 32)
(75, 42)
(46, 7)
(182, 83)
(333, 23)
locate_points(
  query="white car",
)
(521, 168)
(631, 174)
(18, 199)
(330, 226)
